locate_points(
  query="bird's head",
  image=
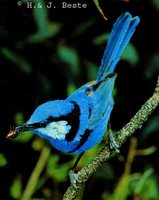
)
(51, 119)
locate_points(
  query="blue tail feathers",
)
(120, 35)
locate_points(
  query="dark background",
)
(35, 68)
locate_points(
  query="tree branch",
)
(122, 135)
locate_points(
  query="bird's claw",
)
(73, 178)
(113, 144)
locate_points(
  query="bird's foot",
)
(113, 144)
(73, 178)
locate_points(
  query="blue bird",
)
(79, 122)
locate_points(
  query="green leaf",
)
(45, 28)
(107, 196)
(101, 39)
(142, 180)
(150, 127)
(56, 171)
(61, 173)
(52, 30)
(156, 4)
(91, 69)
(69, 56)
(83, 27)
(152, 67)
(52, 162)
(3, 160)
(151, 189)
(20, 62)
(99, 9)
(147, 187)
(19, 118)
(16, 188)
(130, 54)
(71, 88)
(24, 137)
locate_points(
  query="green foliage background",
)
(47, 54)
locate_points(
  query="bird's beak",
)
(18, 130)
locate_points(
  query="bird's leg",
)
(113, 144)
(73, 173)
(77, 161)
